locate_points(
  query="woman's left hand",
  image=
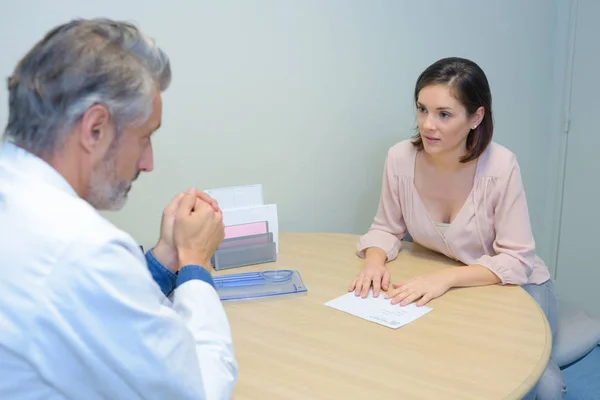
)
(422, 288)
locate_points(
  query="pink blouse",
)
(492, 228)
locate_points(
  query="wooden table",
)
(478, 343)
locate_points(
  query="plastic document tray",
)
(250, 240)
(249, 250)
(252, 285)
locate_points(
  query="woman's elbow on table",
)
(510, 270)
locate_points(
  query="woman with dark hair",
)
(460, 194)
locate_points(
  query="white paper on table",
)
(237, 196)
(246, 215)
(378, 309)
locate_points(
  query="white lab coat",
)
(80, 314)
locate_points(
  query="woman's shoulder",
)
(401, 157)
(497, 161)
(402, 150)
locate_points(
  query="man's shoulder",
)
(52, 222)
(83, 222)
(90, 234)
(55, 249)
(92, 254)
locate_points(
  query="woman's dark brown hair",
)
(470, 86)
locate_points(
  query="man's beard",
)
(106, 191)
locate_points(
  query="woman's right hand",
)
(375, 274)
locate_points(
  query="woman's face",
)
(443, 121)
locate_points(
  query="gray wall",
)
(306, 96)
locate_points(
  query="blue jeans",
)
(551, 385)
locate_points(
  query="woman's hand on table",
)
(375, 274)
(421, 289)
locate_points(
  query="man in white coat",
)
(84, 314)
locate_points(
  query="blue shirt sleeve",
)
(189, 272)
(163, 277)
(167, 280)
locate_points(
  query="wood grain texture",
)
(478, 343)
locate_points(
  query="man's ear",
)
(96, 130)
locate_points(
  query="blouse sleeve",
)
(388, 226)
(514, 244)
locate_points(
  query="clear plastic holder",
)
(238, 253)
(253, 285)
(260, 238)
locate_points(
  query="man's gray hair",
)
(75, 66)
